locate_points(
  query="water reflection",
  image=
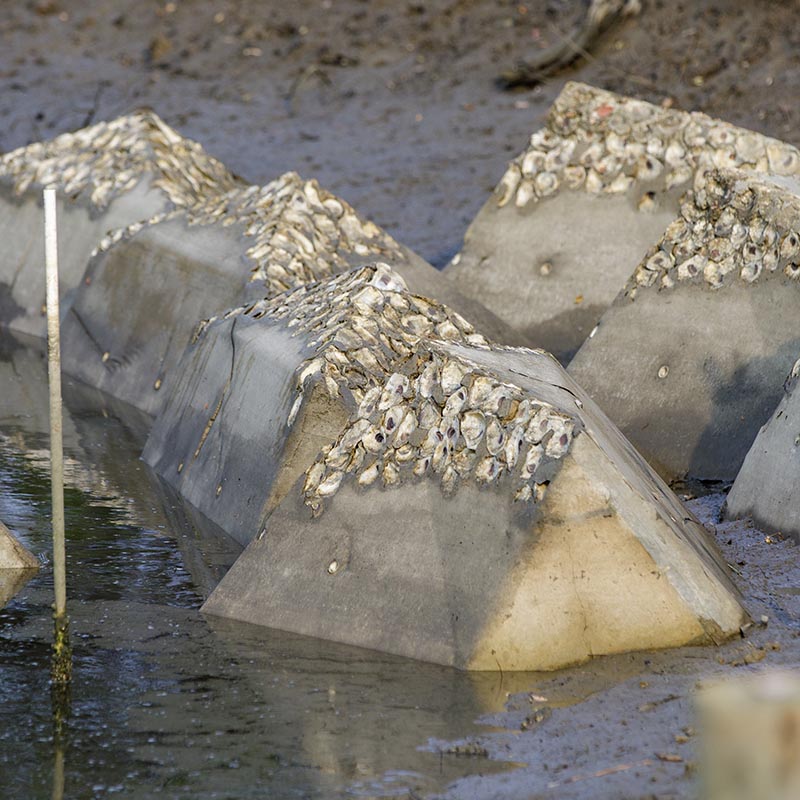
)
(164, 701)
(11, 581)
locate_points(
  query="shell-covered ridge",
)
(735, 226)
(417, 410)
(300, 232)
(109, 158)
(604, 143)
(444, 418)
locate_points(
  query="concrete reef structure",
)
(767, 487)
(148, 284)
(575, 212)
(690, 358)
(405, 486)
(108, 176)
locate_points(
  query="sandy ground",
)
(395, 106)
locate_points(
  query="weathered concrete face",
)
(511, 527)
(575, 212)
(767, 487)
(690, 358)
(141, 299)
(108, 176)
(147, 287)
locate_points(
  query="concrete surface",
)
(22, 289)
(767, 488)
(108, 176)
(552, 270)
(602, 559)
(145, 291)
(689, 361)
(142, 298)
(750, 734)
(411, 107)
(576, 211)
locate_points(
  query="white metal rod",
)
(54, 373)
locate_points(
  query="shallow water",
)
(167, 702)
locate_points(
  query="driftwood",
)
(600, 15)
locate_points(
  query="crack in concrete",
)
(586, 641)
(222, 398)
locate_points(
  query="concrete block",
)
(767, 487)
(148, 286)
(690, 358)
(438, 498)
(476, 509)
(575, 212)
(108, 176)
(259, 390)
(13, 554)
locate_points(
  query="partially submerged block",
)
(767, 487)
(574, 213)
(432, 497)
(148, 286)
(475, 509)
(13, 554)
(689, 360)
(108, 176)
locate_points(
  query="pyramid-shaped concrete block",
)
(147, 287)
(513, 509)
(108, 176)
(690, 358)
(13, 554)
(767, 488)
(574, 213)
(259, 391)
(476, 509)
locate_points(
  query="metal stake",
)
(62, 657)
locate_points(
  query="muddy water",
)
(166, 702)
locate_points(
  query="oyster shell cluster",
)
(734, 226)
(105, 160)
(417, 411)
(603, 143)
(300, 232)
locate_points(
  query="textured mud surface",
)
(393, 106)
